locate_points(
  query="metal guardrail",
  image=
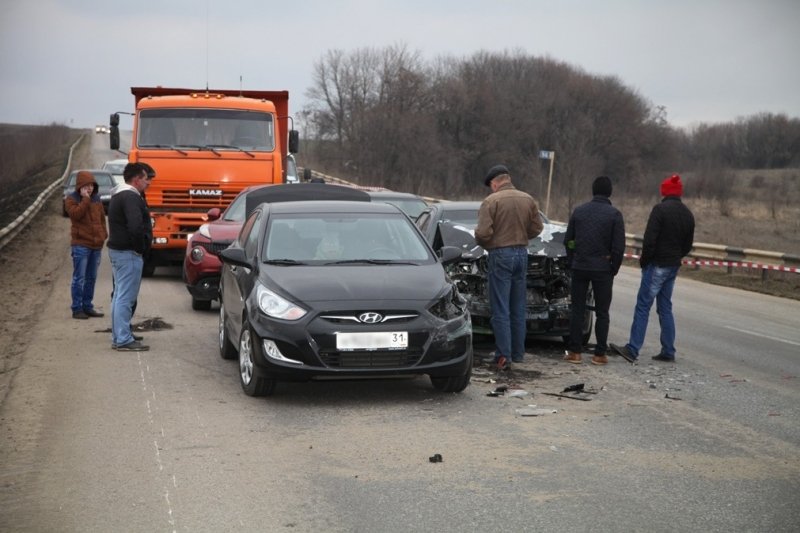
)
(8, 233)
(703, 254)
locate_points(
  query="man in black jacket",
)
(130, 236)
(667, 239)
(595, 243)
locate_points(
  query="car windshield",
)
(344, 239)
(102, 179)
(114, 168)
(410, 206)
(200, 128)
(236, 211)
(467, 217)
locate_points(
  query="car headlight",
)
(204, 231)
(275, 306)
(451, 305)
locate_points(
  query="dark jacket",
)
(86, 214)
(595, 237)
(508, 217)
(129, 221)
(669, 234)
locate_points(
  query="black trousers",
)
(602, 285)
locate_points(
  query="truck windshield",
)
(202, 129)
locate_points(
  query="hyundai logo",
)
(370, 318)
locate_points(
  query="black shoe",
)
(134, 346)
(80, 315)
(624, 351)
(664, 358)
(92, 313)
(137, 337)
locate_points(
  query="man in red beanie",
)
(667, 239)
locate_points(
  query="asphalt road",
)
(165, 440)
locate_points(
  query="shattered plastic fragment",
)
(435, 458)
(517, 393)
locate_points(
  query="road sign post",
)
(546, 154)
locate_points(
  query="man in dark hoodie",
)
(595, 242)
(131, 234)
(88, 233)
(668, 237)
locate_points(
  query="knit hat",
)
(495, 171)
(601, 186)
(672, 186)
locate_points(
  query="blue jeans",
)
(85, 262)
(657, 284)
(507, 298)
(126, 266)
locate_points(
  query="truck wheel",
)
(148, 269)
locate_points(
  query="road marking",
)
(763, 336)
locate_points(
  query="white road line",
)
(763, 336)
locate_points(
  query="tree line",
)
(387, 116)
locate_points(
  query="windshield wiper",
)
(169, 146)
(284, 262)
(371, 262)
(228, 146)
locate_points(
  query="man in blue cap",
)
(508, 218)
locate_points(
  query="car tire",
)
(453, 383)
(201, 305)
(227, 350)
(254, 381)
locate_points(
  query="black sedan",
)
(321, 289)
(548, 278)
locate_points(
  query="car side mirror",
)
(449, 254)
(213, 213)
(235, 256)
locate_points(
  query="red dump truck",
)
(205, 147)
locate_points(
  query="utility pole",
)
(546, 154)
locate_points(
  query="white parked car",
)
(115, 168)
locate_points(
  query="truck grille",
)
(180, 197)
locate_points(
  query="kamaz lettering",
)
(205, 192)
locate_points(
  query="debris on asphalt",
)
(578, 387)
(667, 396)
(435, 458)
(567, 396)
(500, 390)
(532, 410)
(517, 393)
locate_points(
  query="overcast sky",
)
(74, 61)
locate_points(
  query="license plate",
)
(381, 340)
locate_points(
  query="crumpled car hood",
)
(549, 243)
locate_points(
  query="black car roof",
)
(394, 194)
(338, 206)
(295, 192)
